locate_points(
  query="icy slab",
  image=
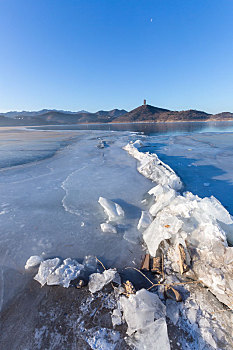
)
(116, 317)
(153, 168)
(144, 221)
(153, 337)
(108, 228)
(45, 269)
(68, 271)
(145, 316)
(112, 210)
(98, 280)
(33, 261)
(141, 309)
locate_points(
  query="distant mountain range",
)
(48, 117)
(144, 113)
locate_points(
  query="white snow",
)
(45, 269)
(112, 210)
(106, 227)
(98, 280)
(33, 261)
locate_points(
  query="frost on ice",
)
(145, 316)
(112, 210)
(33, 261)
(98, 280)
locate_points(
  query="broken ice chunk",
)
(162, 200)
(106, 227)
(154, 337)
(45, 269)
(145, 316)
(141, 309)
(112, 210)
(144, 221)
(116, 317)
(98, 280)
(33, 261)
(68, 271)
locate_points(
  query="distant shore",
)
(119, 123)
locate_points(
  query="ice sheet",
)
(50, 207)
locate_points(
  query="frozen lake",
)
(50, 182)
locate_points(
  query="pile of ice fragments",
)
(143, 311)
(202, 227)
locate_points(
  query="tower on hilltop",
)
(144, 102)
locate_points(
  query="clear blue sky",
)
(104, 54)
